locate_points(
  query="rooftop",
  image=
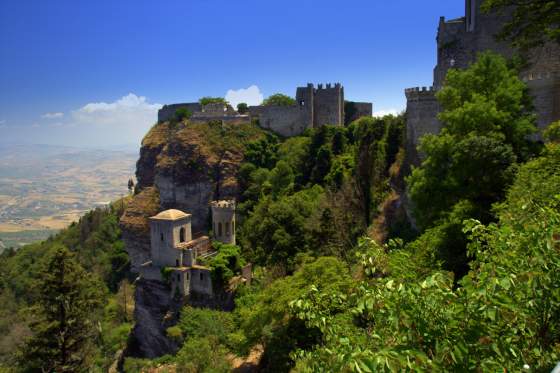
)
(171, 214)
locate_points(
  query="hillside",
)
(45, 188)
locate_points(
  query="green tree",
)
(279, 99)
(532, 22)
(487, 121)
(65, 311)
(490, 100)
(242, 108)
(281, 178)
(212, 100)
(552, 132)
(370, 160)
(181, 114)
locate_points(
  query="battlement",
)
(223, 204)
(419, 89)
(420, 93)
(327, 86)
(540, 76)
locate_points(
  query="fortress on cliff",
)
(177, 257)
(314, 107)
(458, 43)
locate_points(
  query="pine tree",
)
(64, 324)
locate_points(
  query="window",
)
(176, 262)
(302, 103)
(219, 229)
(182, 234)
(161, 236)
(187, 274)
(227, 228)
(201, 276)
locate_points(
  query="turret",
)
(167, 230)
(223, 221)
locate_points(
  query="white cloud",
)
(52, 115)
(383, 112)
(250, 96)
(128, 110)
(125, 120)
(3, 121)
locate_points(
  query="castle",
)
(314, 107)
(176, 255)
(458, 43)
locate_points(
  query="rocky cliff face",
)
(154, 312)
(192, 164)
(182, 166)
(135, 227)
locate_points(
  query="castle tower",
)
(328, 105)
(168, 229)
(223, 221)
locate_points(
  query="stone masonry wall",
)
(421, 118)
(285, 120)
(328, 105)
(168, 111)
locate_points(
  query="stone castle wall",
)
(459, 41)
(545, 89)
(355, 110)
(285, 120)
(314, 107)
(168, 111)
(421, 118)
(328, 106)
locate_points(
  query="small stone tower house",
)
(168, 229)
(223, 221)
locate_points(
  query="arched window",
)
(219, 229)
(227, 228)
(182, 234)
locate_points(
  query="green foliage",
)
(181, 114)
(242, 108)
(276, 230)
(488, 99)
(202, 355)
(472, 168)
(533, 22)
(226, 263)
(212, 100)
(470, 164)
(552, 132)
(65, 312)
(200, 323)
(279, 99)
(504, 315)
(262, 152)
(265, 316)
(96, 242)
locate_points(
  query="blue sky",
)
(95, 72)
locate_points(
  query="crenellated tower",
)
(223, 221)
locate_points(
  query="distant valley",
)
(44, 188)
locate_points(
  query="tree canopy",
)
(533, 22)
(279, 99)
